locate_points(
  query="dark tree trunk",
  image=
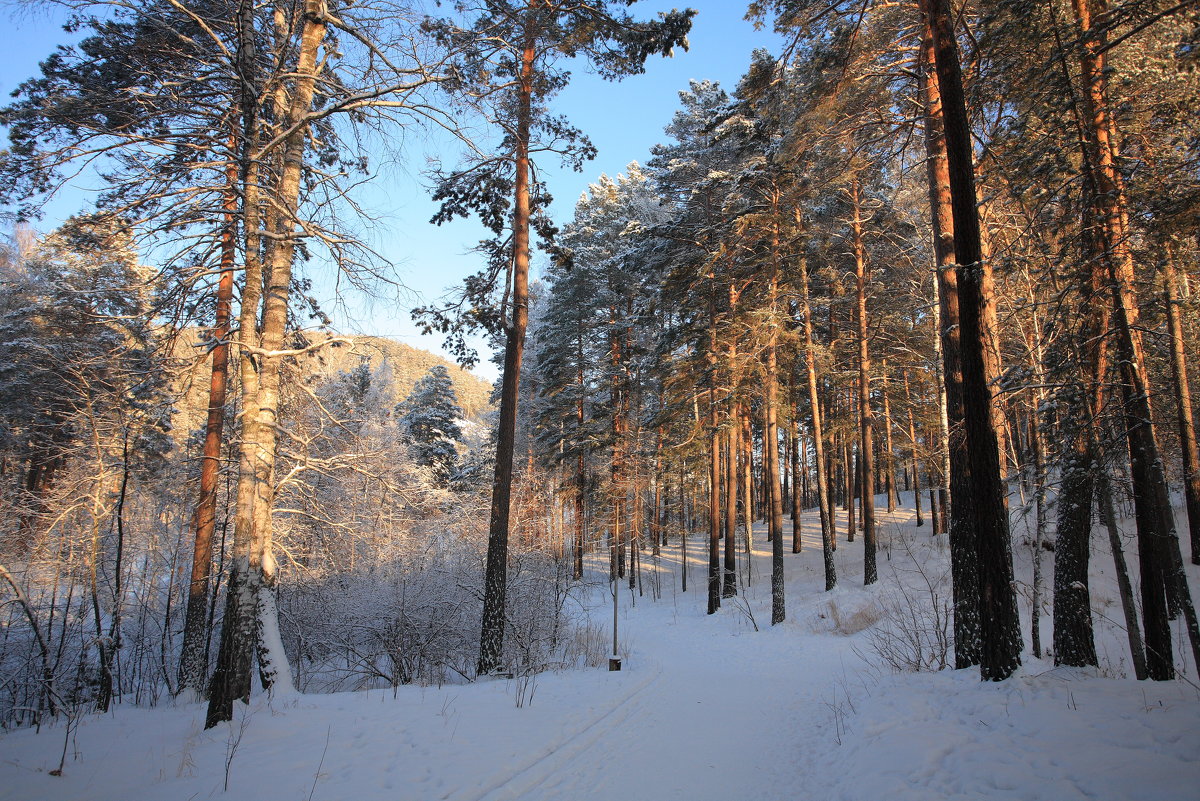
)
(999, 625)
(824, 497)
(962, 534)
(890, 487)
(849, 468)
(916, 463)
(745, 467)
(580, 465)
(1074, 643)
(1039, 488)
(729, 580)
(714, 477)
(580, 489)
(714, 516)
(659, 499)
(771, 448)
(798, 487)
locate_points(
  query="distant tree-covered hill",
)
(405, 365)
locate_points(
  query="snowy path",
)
(707, 715)
(705, 708)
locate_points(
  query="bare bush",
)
(915, 628)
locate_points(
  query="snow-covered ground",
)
(705, 708)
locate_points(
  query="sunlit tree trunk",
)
(491, 641)
(866, 417)
(1183, 406)
(1152, 507)
(193, 660)
(251, 616)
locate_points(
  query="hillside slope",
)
(405, 363)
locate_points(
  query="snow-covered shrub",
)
(413, 617)
(405, 618)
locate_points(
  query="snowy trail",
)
(695, 732)
(722, 702)
(561, 754)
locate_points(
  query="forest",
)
(875, 373)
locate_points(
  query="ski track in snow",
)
(555, 757)
(705, 708)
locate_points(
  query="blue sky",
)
(623, 120)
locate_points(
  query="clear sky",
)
(623, 120)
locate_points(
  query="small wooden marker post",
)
(614, 661)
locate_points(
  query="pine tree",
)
(510, 52)
(428, 419)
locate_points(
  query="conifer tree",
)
(429, 417)
(510, 54)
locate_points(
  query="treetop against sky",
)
(622, 119)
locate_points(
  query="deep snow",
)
(705, 708)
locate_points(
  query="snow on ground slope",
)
(705, 708)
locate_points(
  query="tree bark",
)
(889, 461)
(714, 476)
(193, 663)
(771, 440)
(747, 478)
(866, 417)
(824, 498)
(250, 619)
(916, 463)
(1082, 466)
(1152, 508)
(798, 459)
(849, 470)
(732, 446)
(491, 640)
(955, 465)
(1183, 406)
(999, 625)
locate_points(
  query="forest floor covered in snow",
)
(706, 707)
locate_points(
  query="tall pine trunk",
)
(916, 462)
(193, 663)
(889, 462)
(866, 417)
(714, 465)
(774, 494)
(732, 446)
(1183, 406)
(1152, 507)
(956, 467)
(491, 639)
(1074, 641)
(999, 625)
